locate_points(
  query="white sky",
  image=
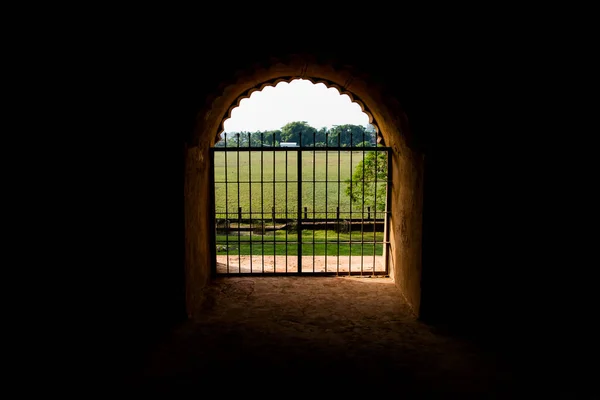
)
(298, 100)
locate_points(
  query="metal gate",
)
(292, 209)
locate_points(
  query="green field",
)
(279, 244)
(243, 171)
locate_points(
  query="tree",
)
(233, 139)
(348, 135)
(266, 138)
(367, 187)
(371, 133)
(293, 131)
(241, 139)
(255, 139)
(321, 137)
(226, 140)
(272, 138)
(221, 142)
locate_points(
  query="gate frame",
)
(299, 149)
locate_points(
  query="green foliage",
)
(299, 132)
(266, 138)
(347, 135)
(253, 139)
(350, 136)
(367, 187)
(282, 242)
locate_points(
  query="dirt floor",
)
(282, 264)
(293, 336)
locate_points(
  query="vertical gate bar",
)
(250, 195)
(375, 210)
(212, 221)
(338, 205)
(326, 197)
(286, 212)
(362, 225)
(350, 230)
(226, 206)
(387, 211)
(262, 203)
(274, 227)
(299, 164)
(314, 167)
(239, 207)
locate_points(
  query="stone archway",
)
(384, 112)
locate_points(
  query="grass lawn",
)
(313, 243)
(278, 171)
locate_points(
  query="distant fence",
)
(339, 221)
(242, 215)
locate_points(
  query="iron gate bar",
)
(286, 210)
(362, 228)
(320, 273)
(298, 148)
(350, 230)
(250, 198)
(375, 206)
(299, 224)
(262, 204)
(338, 209)
(314, 184)
(239, 247)
(273, 208)
(326, 198)
(226, 209)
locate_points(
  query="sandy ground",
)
(282, 264)
(316, 336)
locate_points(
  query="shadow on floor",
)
(302, 334)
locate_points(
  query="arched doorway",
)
(406, 167)
(301, 200)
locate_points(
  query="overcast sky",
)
(298, 100)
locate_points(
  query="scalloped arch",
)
(274, 82)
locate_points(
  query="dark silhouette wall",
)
(477, 247)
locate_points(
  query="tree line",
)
(301, 133)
